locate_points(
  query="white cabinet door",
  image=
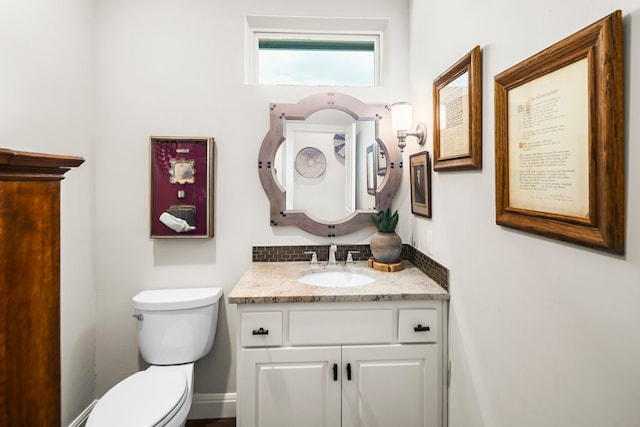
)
(390, 385)
(290, 387)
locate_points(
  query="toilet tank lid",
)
(176, 299)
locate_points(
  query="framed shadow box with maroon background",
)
(181, 187)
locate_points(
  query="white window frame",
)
(311, 28)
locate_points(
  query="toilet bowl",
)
(159, 396)
(176, 327)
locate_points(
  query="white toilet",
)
(176, 327)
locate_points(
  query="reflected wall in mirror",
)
(315, 168)
(328, 150)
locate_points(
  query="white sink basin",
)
(336, 278)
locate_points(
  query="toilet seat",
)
(146, 398)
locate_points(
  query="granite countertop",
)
(276, 282)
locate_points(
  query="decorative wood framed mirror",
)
(314, 167)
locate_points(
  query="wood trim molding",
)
(35, 166)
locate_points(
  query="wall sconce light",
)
(401, 117)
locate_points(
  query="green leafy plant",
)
(385, 222)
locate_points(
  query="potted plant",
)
(386, 245)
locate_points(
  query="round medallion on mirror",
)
(310, 162)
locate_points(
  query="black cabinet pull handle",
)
(261, 331)
(421, 328)
(348, 371)
(335, 372)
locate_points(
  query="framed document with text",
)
(559, 140)
(457, 115)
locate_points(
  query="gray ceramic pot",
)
(386, 247)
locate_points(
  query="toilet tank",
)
(176, 325)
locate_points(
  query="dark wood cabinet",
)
(30, 286)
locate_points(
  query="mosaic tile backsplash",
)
(438, 272)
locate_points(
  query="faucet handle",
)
(350, 257)
(314, 257)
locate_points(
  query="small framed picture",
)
(181, 187)
(420, 177)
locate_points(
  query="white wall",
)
(322, 196)
(46, 105)
(175, 67)
(542, 333)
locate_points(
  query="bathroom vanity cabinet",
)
(335, 359)
(30, 287)
(341, 364)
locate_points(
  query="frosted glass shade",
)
(401, 116)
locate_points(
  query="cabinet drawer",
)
(417, 325)
(261, 329)
(318, 327)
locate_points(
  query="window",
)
(315, 61)
(314, 57)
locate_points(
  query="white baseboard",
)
(84, 415)
(213, 405)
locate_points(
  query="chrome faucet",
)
(332, 255)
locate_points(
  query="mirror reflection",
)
(324, 166)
